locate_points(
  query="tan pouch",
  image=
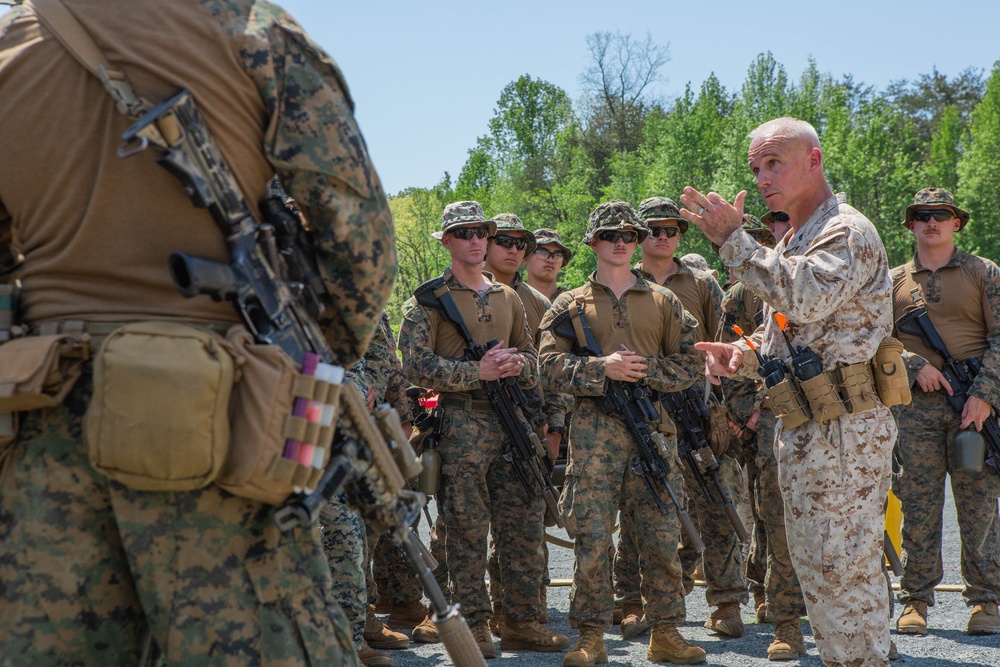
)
(38, 371)
(824, 401)
(857, 387)
(787, 403)
(719, 435)
(889, 373)
(158, 418)
(261, 421)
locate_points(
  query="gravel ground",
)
(946, 645)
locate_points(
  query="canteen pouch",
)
(889, 373)
(821, 394)
(159, 416)
(857, 387)
(261, 421)
(787, 403)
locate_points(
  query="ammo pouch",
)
(889, 373)
(787, 403)
(822, 397)
(37, 372)
(158, 418)
(857, 387)
(262, 420)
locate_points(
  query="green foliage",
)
(979, 174)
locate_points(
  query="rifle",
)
(273, 284)
(959, 374)
(524, 450)
(631, 404)
(691, 413)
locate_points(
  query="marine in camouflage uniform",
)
(832, 281)
(962, 295)
(91, 569)
(479, 490)
(769, 569)
(701, 296)
(645, 333)
(543, 264)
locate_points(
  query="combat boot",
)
(531, 636)
(426, 632)
(667, 645)
(380, 637)
(984, 619)
(788, 643)
(481, 634)
(634, 622)
(726, 620)
(372, 658)
(914, 619)
(589, 649)
(406, 616)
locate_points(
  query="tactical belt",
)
(465, 404)
(99, 330)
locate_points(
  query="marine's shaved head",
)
(789, 128)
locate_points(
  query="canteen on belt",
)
(969, 451)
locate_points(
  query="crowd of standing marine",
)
(808, 365)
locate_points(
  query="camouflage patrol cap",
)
(546, 235)
(463, 214)
(508, 222)
(614, 215)
(934, 198)
(656, 209)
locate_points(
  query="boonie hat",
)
(656, 209)
(508, 222)
(938, 197)
(463, 214)
(614, 215)
(548, 235)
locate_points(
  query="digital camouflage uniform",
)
(343, 533)
(479, 491)
(832, 282)
(963, 301)
(91, 568)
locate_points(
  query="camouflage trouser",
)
(397, 582)
(89, 568)
(782, 591)
(927, 429)
(344, 546)
(480, 493)
(755, 566)
(598, 482)
(834, 478)
(495, 569)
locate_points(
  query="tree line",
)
(551, 160)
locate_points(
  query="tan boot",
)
(726, 620)
(589, 649)
(426, 632)
(667, 645)
(380, 637)
(481, 633)
(914, 619)
(634, 622)
(372, 658)
(788, 643)
(531, 636)
(406, 616)
(984, 619)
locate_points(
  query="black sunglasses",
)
(558, 254)
(466, 233)
(614, 237)
(941, 215)
(670, 232)
(511, 242)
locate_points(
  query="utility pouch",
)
(719, 435)
(889, 372)
(38, 371)
(787, 403)
(857, 387)
(262, 421)
(824, 401)
(158, 418)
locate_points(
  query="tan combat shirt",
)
(700, 294)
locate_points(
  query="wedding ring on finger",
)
(701, 210)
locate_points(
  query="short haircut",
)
(786, 126)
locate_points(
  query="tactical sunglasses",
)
(558, 254)
(466, 233)
(511, 242)
(941, 215)
(614, 237)
(670, 232)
